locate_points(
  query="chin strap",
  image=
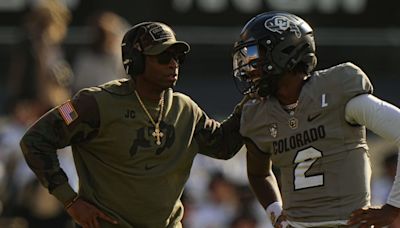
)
(267, 85)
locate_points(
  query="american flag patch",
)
(68, 112)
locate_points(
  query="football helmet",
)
(271, 44)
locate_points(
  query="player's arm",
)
(220, 140)
(383, 119)
(262, 180)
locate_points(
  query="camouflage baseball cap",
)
(158, 37)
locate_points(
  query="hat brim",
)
(181, 46)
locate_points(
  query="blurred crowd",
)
(40, 77)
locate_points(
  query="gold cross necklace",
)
(157, 134)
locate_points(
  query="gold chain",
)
(157, 134)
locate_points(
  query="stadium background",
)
(364, 32)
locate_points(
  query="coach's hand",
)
(86, 214)
(377, 217)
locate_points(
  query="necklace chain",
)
(291, 106)
(157, 134)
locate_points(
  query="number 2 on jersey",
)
(304, 161)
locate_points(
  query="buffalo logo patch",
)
(273, 129)
(280, 23)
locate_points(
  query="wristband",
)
(68, 205)
(274, 210)
(394, 195)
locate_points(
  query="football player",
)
(311, 126)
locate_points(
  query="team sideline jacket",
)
(121, 169)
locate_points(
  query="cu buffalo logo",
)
(280, 24)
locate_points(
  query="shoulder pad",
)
(346, 77)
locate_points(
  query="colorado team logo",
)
(273, 129)
(280, 24)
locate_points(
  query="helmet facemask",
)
(250, 69)
(245, 61)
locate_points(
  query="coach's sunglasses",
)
(166, 56)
